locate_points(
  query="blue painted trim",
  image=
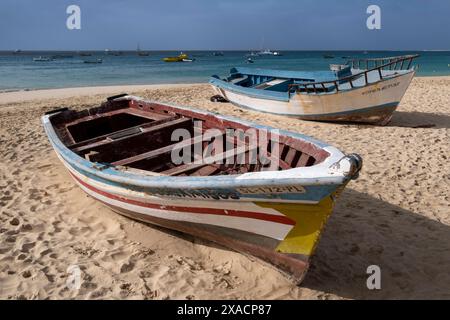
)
(252, 92)
(392, 105)
(312, 193)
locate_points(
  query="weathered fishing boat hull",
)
(277, 219)
(291, 257)
(374, 103)
(283, 234)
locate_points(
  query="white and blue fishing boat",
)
(362, 90)
(268, 52)
(121, 153)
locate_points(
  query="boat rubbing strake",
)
(363, 90)
(273, 206)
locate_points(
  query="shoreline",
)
(14, 96)
(62, 93)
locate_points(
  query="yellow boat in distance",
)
(180, 58)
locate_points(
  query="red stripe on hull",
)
(233, 213)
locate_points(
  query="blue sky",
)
(225, 25)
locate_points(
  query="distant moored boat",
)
(252, 54)
(42, 59)
(141, 53)
(93, 61)
(180, 58)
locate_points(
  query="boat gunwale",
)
(319, 174)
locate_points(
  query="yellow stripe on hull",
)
(310, 220)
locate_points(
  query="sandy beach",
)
(396, 215)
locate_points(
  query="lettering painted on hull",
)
(379, 89)
(225, 195)
(195, 194)
(275, 189)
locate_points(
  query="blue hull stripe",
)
(313, 193)
(389, 107)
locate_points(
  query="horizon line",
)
(223, 50)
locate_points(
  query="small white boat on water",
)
(42, 59)
(363, 90)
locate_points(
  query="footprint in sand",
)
(27, 246)
(127, 267)
(14, 222)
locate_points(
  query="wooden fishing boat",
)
(273, 207)
(362, 90)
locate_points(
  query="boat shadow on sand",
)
(417, 119)
(412, 251)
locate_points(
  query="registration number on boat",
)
(275, 189)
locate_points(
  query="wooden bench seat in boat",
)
(130, 139)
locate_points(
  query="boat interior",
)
(135, 135)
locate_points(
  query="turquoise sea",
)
(68, 69)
